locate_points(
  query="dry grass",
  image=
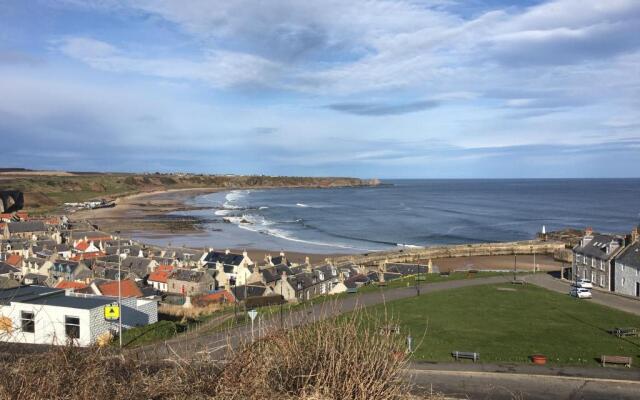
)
(191, 313)
(329, 360)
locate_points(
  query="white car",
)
(580, 293)
(584, 283)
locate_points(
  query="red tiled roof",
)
(159, 276)
(165, 268)
(14, 259)
(82, 245)
(70, 285)
(217, 297)
(87, 256)
(128, 288)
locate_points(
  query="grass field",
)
(510, 325)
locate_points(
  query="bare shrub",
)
(345, 358)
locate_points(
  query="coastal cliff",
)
(47, 192)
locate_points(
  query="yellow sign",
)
(112, 312)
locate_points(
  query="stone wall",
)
(466, 250)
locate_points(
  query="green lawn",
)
(511, 325)
(431, 278)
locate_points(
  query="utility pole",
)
(119, 292)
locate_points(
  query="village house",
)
(126, 288)
(43, 315)
(69, 270)
(158, 278)
(30, 230)
(594, 258)
(627, 267)
(139, 266)
(190, 282)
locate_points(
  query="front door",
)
(638, 289)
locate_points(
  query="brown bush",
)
(334, 359)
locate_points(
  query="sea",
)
(407, 214)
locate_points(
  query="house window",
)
(622, 281)
(72, 327)
(28, 322)
(602, 280)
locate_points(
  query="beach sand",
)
(543, 262)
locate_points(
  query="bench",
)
(620, 360)
(352, 290)
(624, 332)
(465, 354)
(518, 282)
(393, 329)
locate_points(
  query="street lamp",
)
(119, 291)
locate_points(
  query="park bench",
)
(352, 289)
(393, 328)
(621, 360)
(516, 281)
(470, 355)
(624, 332)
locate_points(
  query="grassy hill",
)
(46, 192)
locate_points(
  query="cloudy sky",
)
(370, 88)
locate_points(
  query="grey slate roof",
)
(406, 269)
(24, 293)
(630, 256)
(247, 291)
(223, 258)
(187, 275)
(7, 269)
(29, 226)
(597, 247)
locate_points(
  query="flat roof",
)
(84, 303)
(27, 292)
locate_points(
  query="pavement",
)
(477, 385)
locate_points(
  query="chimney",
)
(244, 253)
(307, 260)
(282, 254)
(635, 234)
(227, 251)
(588, 231)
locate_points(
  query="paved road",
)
(546, 281)
(508, 386)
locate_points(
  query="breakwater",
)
(421, 255)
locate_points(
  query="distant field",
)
(509, 326)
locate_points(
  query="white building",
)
(43, 315)
(628, 270)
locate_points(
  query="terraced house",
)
(594, 258)
(628, 267)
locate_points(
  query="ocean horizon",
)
(407, 213)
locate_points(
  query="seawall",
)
(555, 248)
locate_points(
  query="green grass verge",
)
(161, 330)
(510, 325)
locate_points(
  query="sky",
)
(366, 88)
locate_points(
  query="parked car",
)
(580, 293)
(584, 283)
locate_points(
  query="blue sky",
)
(389, 89)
